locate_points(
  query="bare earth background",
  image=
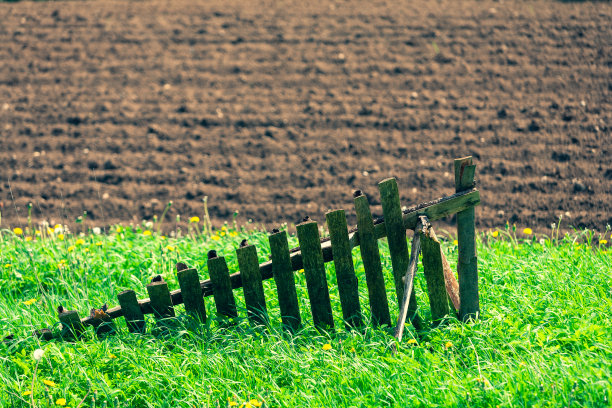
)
(280, 109)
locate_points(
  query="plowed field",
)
(280, 109)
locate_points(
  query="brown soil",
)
(280, 109)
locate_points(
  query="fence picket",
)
(189, 281)
(161, 302)
(252, 284)
(379, 306)
(285, 281)
(345, 271)
(72, 328)
(434, 275)
(467, 265)
(398, 247)
(131, 311)
(222, 287)
(314, 268)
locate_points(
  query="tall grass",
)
(544, 338)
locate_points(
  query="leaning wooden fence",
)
(445, 293)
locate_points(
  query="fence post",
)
(314, 268)
(72, 328)
(398, 246)
(345, 270)
(467, 266)
(222, 286)
(252, 285)
(368, 245)
(189, 281)
(131, 311)
(285, 281)
(161, 302)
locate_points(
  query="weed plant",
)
(544, 339)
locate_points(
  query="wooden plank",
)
(433, 268)
(467, 265)
(398, 247)
(434, 210)
(372, 266)
(161, 302)
(314, 269)
(252, 285)
(408, 281)
(72, 327)
(131, 311)
(345, 271)
(189, 281)
(221, 287)
(285, 281)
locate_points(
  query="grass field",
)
(545, 337)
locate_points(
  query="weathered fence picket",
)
(444, 292)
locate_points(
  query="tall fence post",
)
(285, 281)
(467, 266)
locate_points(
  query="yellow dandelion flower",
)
(327, 346)
(79, 241)
(26, 393)
(50, 231)
(37, 232)
(603, 241)
(60, 237)
(8, 265)
(224, 228)
(111, 355)
(71, 248)
(455, 242)
(85, 249)
(119, 229)
(61, 402)
(222, 233)
(448, 345)
(169, 248)
(527, 231)
(98, 244)
(247, 405)
(29, 302)
(352, 350)
(28, 238)
(163, 237)
(49, 383)
(18, 231)
(495, 234)
(215, 237)
(231, 403)
(194, 220)
(233, 234)
(57, 228)
(256, 403)
(301, 271)
(146, 233)
(412, 341)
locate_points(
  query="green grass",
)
(545, 337)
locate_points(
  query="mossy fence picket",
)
(447, 296)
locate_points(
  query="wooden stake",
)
(398, 247)
(345, 270)
(285, 281)
(131, 311)
(467, 266)
(252, 285)
(409, 283)
(314, 269)
(189, 281)
(72, 328)
(434, 273)
(222, 287)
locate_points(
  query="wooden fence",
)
(446, 295)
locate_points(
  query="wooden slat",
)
(161, 302)
(372, 266)
(189, 281)
(434, 210)
(467, 265)
(408, 280)
(252, 285)
(398, 246)
(131, 311)
(221, 287)
(434, 275)
(285, 281)
(314, 269)
(345, 270)
(72, 327)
